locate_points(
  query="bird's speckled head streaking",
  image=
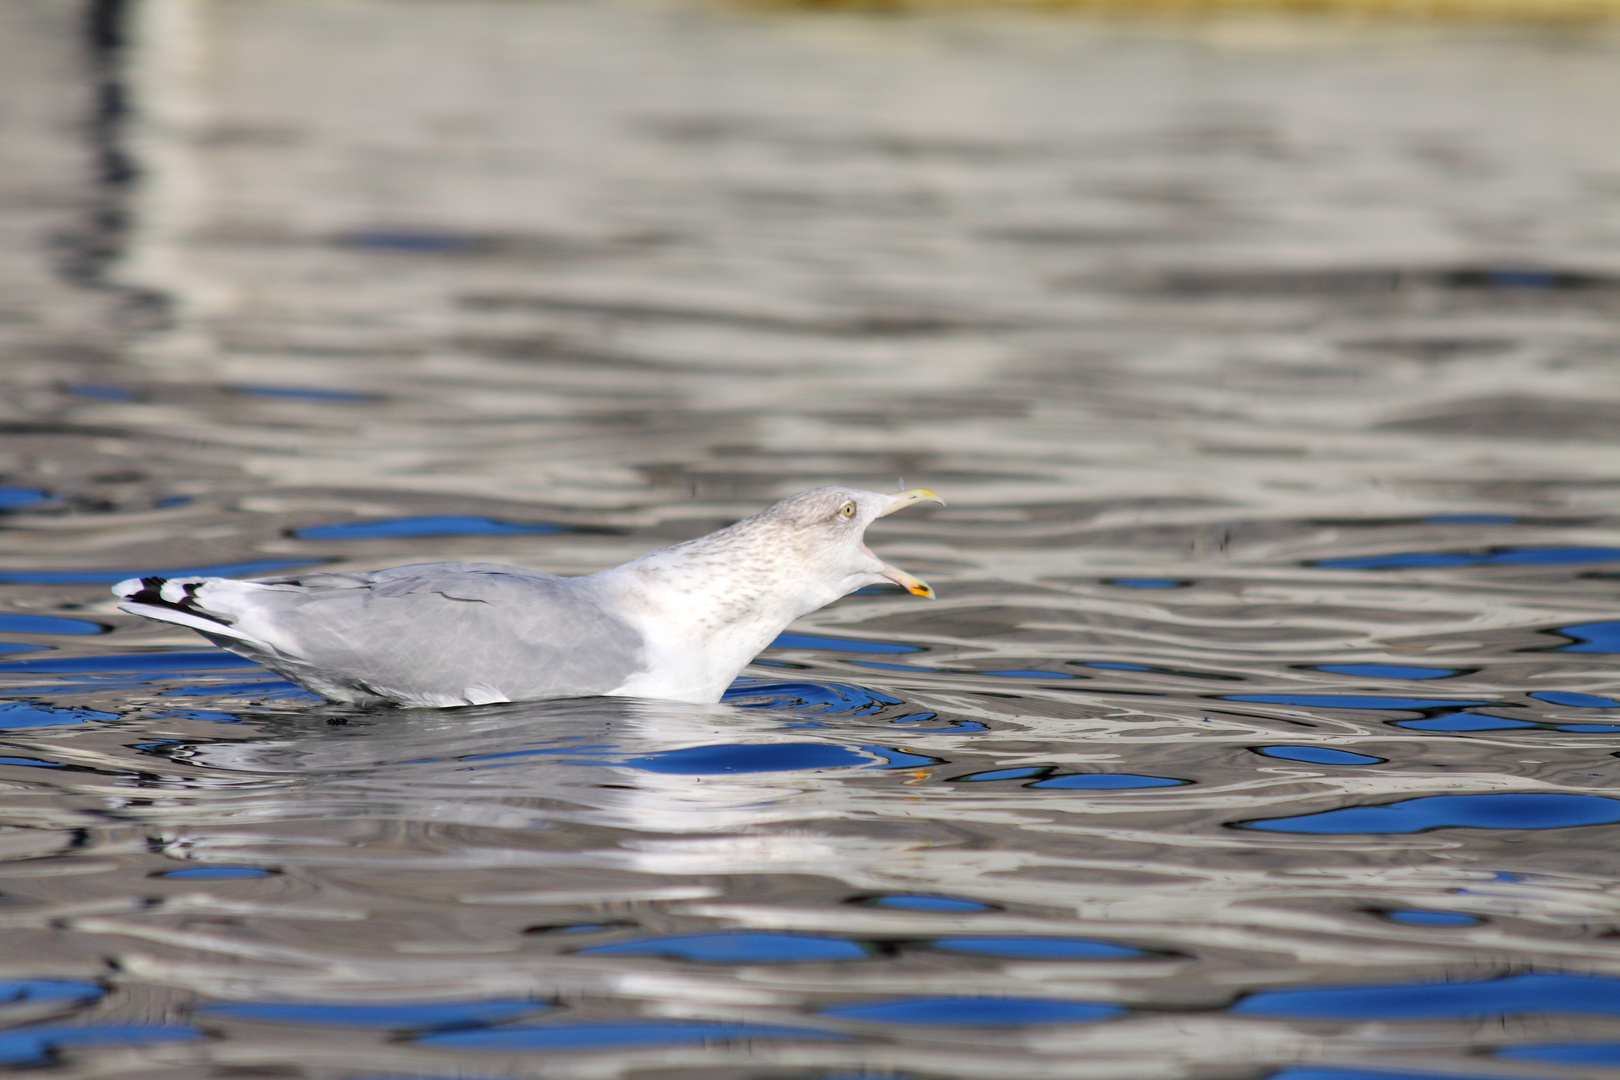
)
(677, 624)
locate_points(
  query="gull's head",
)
(822, 533)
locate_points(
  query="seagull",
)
(677, 624)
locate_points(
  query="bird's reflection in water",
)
(646, 766)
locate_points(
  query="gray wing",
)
(429, 634)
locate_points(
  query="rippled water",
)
(1266, 724)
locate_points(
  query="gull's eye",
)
(847, 510)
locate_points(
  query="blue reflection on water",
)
(35, 1046)
(419, 241)
(1038, 948)
(614, 1035)
(15, 990)
(1463, 721)
(1576, 701)
(975, 1011)
(737, 947)
(36, 763)
(1467, 721)
(123, 671)
(21, 714)
(1494, 810)
(1513, 995)
(1329, 1072)
(1318, 755)
(1514, 277)
(102, 392)
(269, 688)
(1423, 917)
(748, 758)
(112, 577)
(15, 623)
(16, 498)
(1551, 556)
(892, 758)
(1387, 671)
(812, 697)
(305, 393)
(924, 902)
(427, 525)
(173, 660)
(215, 873)
(391, 1015)
(1598, 637)
(1105, 781)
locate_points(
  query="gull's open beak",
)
(915, 586)
(911, 498)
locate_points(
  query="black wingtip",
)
(150, 592)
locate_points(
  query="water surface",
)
(1266, 723)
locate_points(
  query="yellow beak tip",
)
(912, 497)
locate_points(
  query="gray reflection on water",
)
(1268, 366)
